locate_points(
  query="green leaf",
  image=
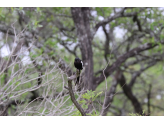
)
(66, 59)
(152, 41)
(3, 16)
(36, 23)
(12, 9)
(51, 53)
(152, 26)
(20, 8)
(97, 95)
(38, 9)
(82, 101)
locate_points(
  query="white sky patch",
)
(60, 46)
(145, 100)
(118, 9)
(26, 60)
(158, 97)
(119, 32)
(101, 18)
(5, 51)
(100, 34)
(112, 14)
(26, 53)
(72, 45)
(94, 13)
(107, 27)
(64, 38)
(161, 8)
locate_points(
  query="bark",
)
(106, 50)
(82, 24)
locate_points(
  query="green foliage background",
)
(51, 37)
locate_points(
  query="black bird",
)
(79, 65)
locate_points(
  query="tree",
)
(42, 43)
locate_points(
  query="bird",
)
(78, 65)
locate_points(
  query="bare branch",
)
(73, 96)
(109, 98)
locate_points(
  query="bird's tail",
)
(77, 81)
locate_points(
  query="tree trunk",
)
(81, 20)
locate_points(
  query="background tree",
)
(121, 48)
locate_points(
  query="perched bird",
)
(79, 65)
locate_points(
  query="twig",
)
(66, 87)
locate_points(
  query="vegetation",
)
(122, 50)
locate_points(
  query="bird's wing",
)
(82, 64)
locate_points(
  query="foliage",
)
(40, 44)
(87, 99)
(136, 114)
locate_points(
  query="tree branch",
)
(73, 96)
(135, 75)
(117, 15)
(109, 98)
(149, 96)
(128, 92)
(110, 69)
